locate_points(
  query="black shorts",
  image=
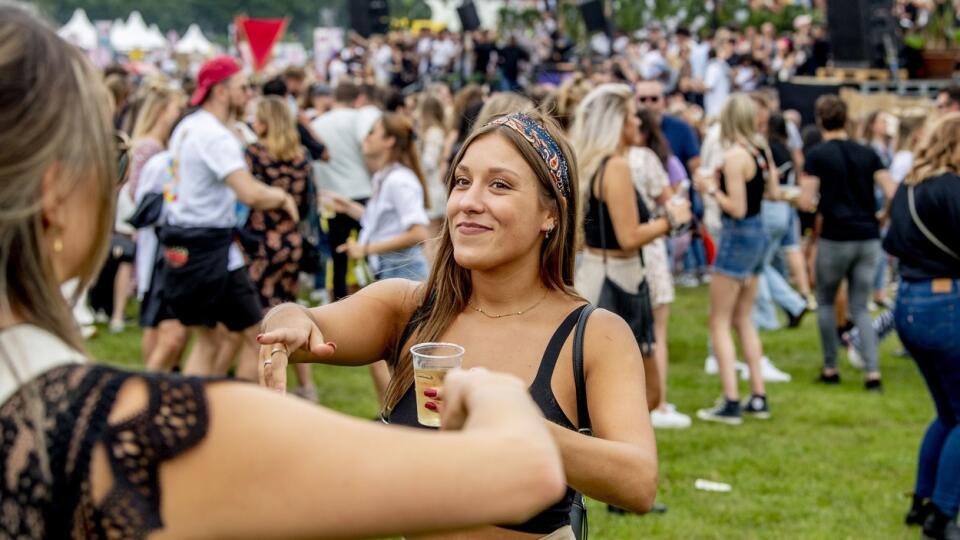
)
(153, 310)
(236, 305)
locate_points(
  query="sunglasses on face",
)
(648, 99)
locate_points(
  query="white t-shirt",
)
(205, 152)
(901, 165)
(343, 131)
(395, 206)
(717, 82)
(154, 177)
(31, 351)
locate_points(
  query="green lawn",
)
(833, 462)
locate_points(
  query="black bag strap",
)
(923, 228)
(579, 378)
(601, 205)
(581, 529)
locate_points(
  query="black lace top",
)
(45, 488)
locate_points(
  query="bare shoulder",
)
(736, 154)
(609, 337)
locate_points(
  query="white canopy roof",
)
(194, 42)
(134, 34)
(80, 31)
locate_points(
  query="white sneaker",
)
(770, 372)
(687, 281)
(853, 355)
(88, 332)
(669, 419)
(710, 367)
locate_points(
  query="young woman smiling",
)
(502, 287)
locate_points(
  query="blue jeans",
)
(407, 263)
(773, 288)
(928, 323)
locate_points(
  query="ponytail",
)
(405, 148)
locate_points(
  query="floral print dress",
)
(275, 265)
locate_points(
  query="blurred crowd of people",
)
(269, 219)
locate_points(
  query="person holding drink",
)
(501, 287)
(93, 451)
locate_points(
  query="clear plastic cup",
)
(431, 362)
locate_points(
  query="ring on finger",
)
(278, 349)
(267, 362)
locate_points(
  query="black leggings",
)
(339, 228)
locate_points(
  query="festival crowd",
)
(444, 188)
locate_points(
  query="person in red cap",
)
(206, 283)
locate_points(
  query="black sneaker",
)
(873, 385)
(828, 379)
(919, 511)
(793, 321)
(726, 411)
(757, 407)
(939, 526)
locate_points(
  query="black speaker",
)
(862, 32)
(593, 16)
(368, 17)
(469, 19)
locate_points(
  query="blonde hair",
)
(938, 152)
(502, 103)
(155, 103)
(598, 127)
(562, 103)
(446, 293)
(281, 140)
(738, 121)
(76, 141)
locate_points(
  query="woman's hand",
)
(679, 212)
(353, 249)
(468, 392)
(704, 180)
(285, 330)
(289, 207)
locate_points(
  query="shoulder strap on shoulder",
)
(923, 228)
(579, 377)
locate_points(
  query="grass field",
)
(833, 462)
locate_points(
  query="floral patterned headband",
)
(543, 143)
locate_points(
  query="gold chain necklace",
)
(489, 316)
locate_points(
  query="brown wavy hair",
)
(938, 152)
(57, 112)
(447, 291)
(405, 150)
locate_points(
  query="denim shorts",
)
(743, 243)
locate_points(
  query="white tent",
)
(194, 42)
(157, 41)
(134, 35)
(80, 31)
(118, 36)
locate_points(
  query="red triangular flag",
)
(262, 35)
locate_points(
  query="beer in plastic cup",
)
(431, 362)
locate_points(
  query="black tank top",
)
(557, 515)
(592, 223)
(755, 188)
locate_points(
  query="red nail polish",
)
(430, 392)
(430, 405)
(332, 345)
(259, 336)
